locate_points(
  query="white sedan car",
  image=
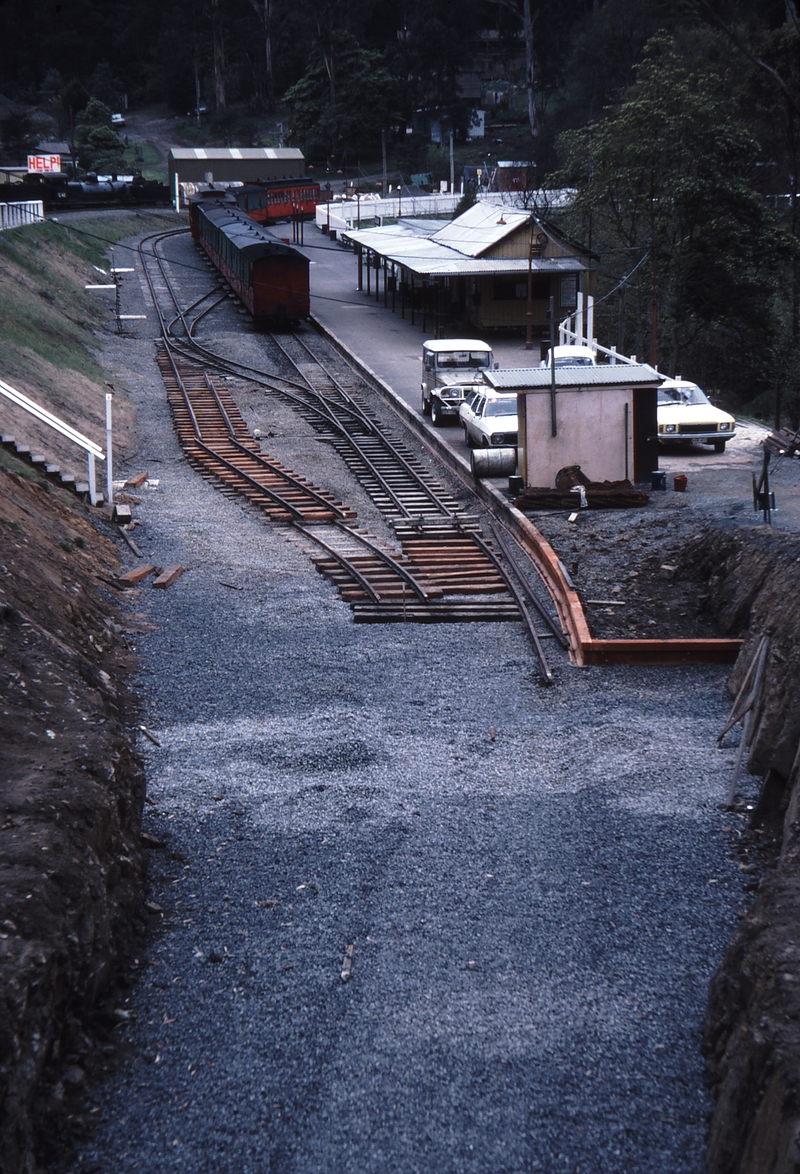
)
(685, 414)
(489, 420)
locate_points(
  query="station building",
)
(492, 268)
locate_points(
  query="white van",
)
(451, 367)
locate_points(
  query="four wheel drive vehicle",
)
(490, 420)
(685, 414)
(445, 402)
(570, 356)
(456, 364)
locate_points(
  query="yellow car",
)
(685, 414)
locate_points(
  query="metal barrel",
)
(493, 462)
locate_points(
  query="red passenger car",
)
(278, 199)
(269, 277)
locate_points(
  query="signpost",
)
(44, 163)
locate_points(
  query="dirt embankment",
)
(752, 1029)
(70, 808)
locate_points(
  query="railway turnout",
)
(440, 567)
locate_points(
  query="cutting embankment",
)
(72, 786)
(752, 1029)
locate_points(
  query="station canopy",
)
(459, 248)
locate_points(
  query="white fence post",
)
(92, 480)
(109, 471)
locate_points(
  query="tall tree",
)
(665, 175)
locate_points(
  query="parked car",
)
(489, 420)
(451, 363)
(117, 120)
(571, 356)
(685, 414)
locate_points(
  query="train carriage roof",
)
(251, 239)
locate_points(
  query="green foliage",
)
(665, 174)
(351, 111)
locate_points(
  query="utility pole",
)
(529, 311)
(383, 152)
(452, 166)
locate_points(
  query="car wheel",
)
(436, 413)
(719, 445)
(426, 407)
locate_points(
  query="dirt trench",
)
(71, 797)
(752, 1027)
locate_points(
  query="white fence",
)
(23, 212)
(343, 215)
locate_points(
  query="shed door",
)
(645, 432)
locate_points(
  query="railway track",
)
(441, 569)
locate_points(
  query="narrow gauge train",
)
(269, 277)
(278, 199)
(59, 193)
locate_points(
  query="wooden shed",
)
(601, 418)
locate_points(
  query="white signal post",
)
(109, 473)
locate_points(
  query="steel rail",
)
(527, 619)
(271, 494)
(323, 407)
(398, 568)
(402, 573)
(327, 411)
(500, 534)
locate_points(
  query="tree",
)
(665, 174)
(346, 104)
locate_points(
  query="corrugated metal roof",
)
(252, 239)
(415, 245)
(225, 153)
(608, 375)
(481, 227)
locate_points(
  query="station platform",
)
(383, 341)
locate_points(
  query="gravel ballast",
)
(533, 881)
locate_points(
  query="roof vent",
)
(502, 219)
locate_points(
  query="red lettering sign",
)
(44, 163)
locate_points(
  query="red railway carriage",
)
(269, 276)
(278, 199)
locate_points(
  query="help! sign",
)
(44, 163)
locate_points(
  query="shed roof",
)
(522, 379)
(215, 154)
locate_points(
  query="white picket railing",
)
(344, 215)
(93, 451)
(21, 213)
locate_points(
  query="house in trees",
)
(492, 268)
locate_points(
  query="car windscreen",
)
(687, 393)
(463, 359)
(501, 407)
(578, 361)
